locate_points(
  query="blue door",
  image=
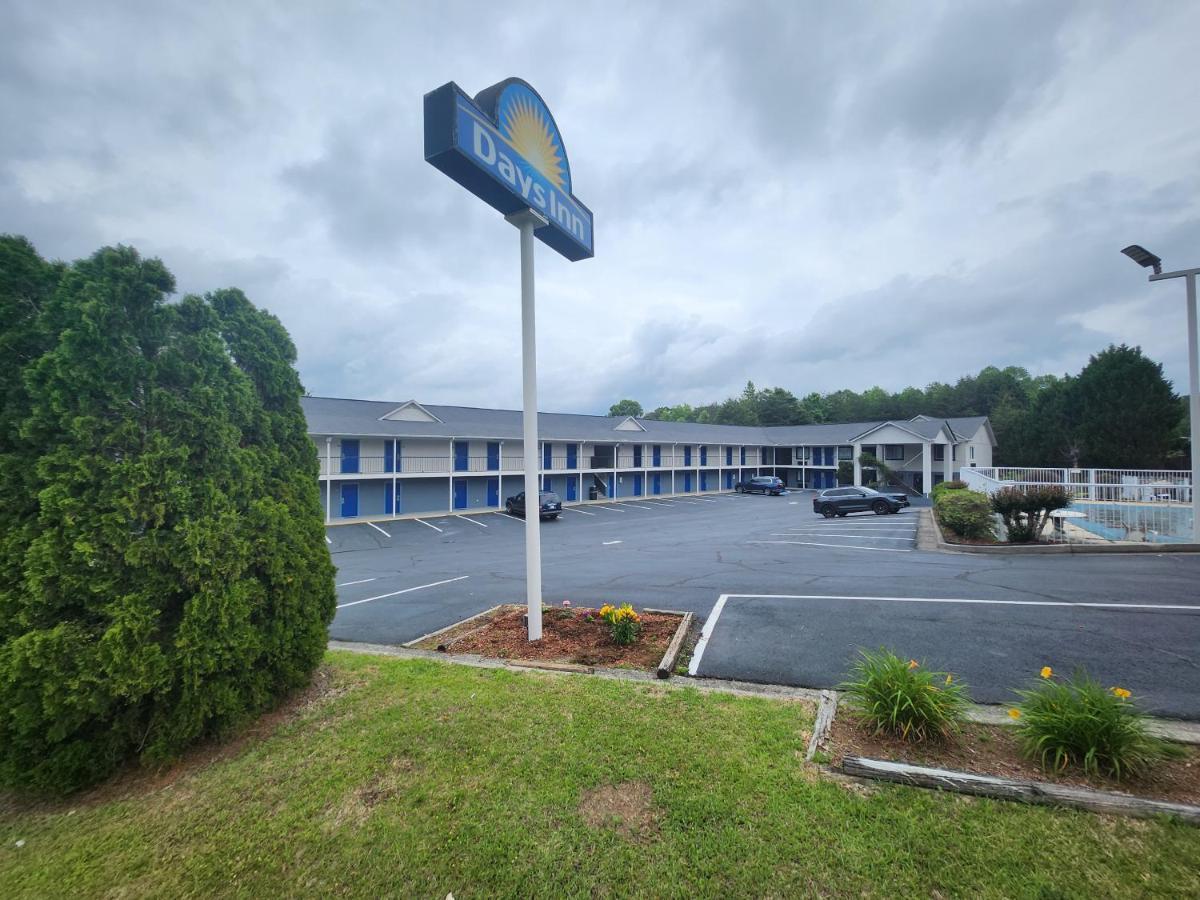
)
(637, 456)
(687, 456)
(571, 483)
(687, 482)
(729, 456)
(493, 492)
(572, 456)
(350, 457)
(743, 456)
(656, 486)
(704, 481)
(704, 456)
(389, 457)
(349, 500)
(657, 456)
(460, 493)
(460, 455)
(729, 481)
(493, 460)
(547, 455)
(637, 484)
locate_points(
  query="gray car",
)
(840, 501)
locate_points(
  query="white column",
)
(395, 469)
(328, 479)
(1194, 403)
(926, 467)
(857, 450)
(526, 221)
(948, 463)
(450, 468)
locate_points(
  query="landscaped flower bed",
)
(995, 750)
(572, 635)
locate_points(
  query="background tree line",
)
(1118, 411)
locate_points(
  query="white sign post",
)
(527, 221)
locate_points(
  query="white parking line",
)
(638, 506)
(327, 540)
(507, 516)
(861, 537)
(419, 587)
(380, 530)
(611, 508)
(610, 543)
(427, 525)
(709, 624)
(360, 581)
(582, 512)
(802, 529)
(472, 521)
(839, 546)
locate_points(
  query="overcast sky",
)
(809, 195)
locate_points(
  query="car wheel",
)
(828, 511)
(508, 507)
(841, 515)
(880, 507)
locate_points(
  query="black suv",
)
(551, 505)
(762, 484)
(841, 500)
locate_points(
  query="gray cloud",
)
(809, 195)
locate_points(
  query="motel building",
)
(380, 459)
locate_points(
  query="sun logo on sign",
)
(525, 125)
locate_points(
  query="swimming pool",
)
(1155, 524)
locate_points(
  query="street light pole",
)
(1189, 276)
(527, 220)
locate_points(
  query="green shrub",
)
(903, 698)
(943, 486)
(163, 567)
(1025, 510)
(1078, 722)
(967, 513)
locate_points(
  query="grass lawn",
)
(415, 778)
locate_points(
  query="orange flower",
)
(1014, 714)
(1047, 671)
(1121, 692)
(912, 663)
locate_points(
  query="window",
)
(939, 452)
(893, 451)
(972, 452)
(845, 453)
(637, 456)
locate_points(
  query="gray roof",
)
(334, 416)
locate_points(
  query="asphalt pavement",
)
(795, 595)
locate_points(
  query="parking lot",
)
(788, 596)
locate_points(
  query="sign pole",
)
(527, 220)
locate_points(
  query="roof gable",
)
(412, 411)
(629, 423)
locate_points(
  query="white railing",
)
(1126, 505)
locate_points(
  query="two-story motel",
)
(388, 459)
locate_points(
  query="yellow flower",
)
(1047, 671)
(912, 663)
(948, 679)
(1014, 714)
(1121, 692)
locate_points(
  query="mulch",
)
(992, 750)
(568, 635)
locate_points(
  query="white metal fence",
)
(1134, 505)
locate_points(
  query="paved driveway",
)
(811, 592)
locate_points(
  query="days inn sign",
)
(504, 147)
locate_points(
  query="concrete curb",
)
(937, 541)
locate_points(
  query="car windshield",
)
(549, 496)
(870, 492)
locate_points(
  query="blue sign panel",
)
(504, 147)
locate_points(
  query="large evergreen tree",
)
(173, 577)
(1126, 410)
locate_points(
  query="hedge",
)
(163, 567)
(967, 513)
